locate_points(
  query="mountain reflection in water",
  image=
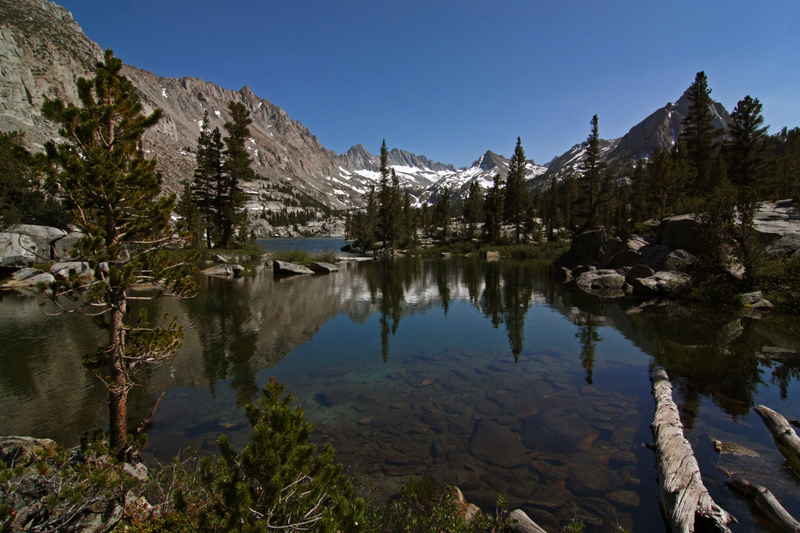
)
(487, 375)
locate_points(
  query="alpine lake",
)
(487, 375)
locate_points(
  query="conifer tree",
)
(407, 229)
(699, 132)
(395, 208)
(748, 143)
(236, 169)
(116, 195)
(384, 196)
(278, 482)
(591, 168)
(444, 213)
(207, 184)
(473, 208)
(517, 200)
(494, 210)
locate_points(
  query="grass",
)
(302, 257)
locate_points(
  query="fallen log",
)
(784, 436)
(766, 503)
(685, 501)
(523, 523)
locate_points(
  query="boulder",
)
(628, 253)
(65, 269)
(785, 246)
(43, 236)
(563, 274)
(492, 256)
(678, 260)
(323, 267)
(63, 247)
(588, 248)
(600, 280)
(17, 250)
(30, 282)
(775, 220)
(755, 300)
(636, 272)
(684, 232)
(654, 256)
(284, 267)
(661, 283)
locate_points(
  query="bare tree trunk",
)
(767, 504)
(119, 384)
(782, 433)
(685, 501)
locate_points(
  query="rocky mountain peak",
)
(490, 161)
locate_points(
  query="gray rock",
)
(636, 272)
(25, 273)
(654, 256)
(220, 259)
(587, 481)
(43, 236)
(283, 267)
(17, 250)
(65, 269)
(558, 431)
(30, 282)
(588, 248)
(776, 220)
(563, 274)
(755, 300)
(684, 232)
(492, 256)
(661, 283)
(63, 248)
(787, 245)
(678, 260)
(627, 254)
(323, 267)
(497, 445)
(600, 280)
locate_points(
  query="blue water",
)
(312, 245)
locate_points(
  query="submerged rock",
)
(497, 445)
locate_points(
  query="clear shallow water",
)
(488, 376)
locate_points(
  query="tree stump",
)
(685, 502)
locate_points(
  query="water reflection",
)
(404, 366)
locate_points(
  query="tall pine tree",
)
(699, 133)
(493, 209)
(591, 178)
(236, 169)
(207, 183)
(517, 200)
(384, 196)
(125, 220)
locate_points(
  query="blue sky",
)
(452, 79)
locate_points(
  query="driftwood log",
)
(767, 503)
(523, 523)
(685, 501)
(782, 433)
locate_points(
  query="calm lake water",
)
(487, 375)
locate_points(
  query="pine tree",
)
(407, 229)
(118, 205)
(591, 168)
(444, 213)
(748, 144)
(192, 218)
(494, 210)
(384, 196)
(277, 482)
(517, 200)
(236, 169)
(395, 208)
(473, 208)
(699, 132)
(207, 184)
